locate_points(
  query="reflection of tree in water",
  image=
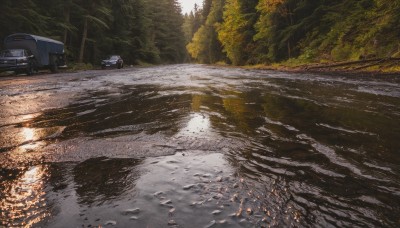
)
(102, 179)
(130, 111)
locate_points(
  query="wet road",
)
(199, 146)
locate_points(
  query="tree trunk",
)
(84, 36)
(67, 15)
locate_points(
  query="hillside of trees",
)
(238, 32)
(243, 32)
(139, 30)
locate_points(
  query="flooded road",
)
(199, 146)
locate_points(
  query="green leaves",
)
(237, 30)
(266, 31)
(205, 46)
(97, 21)
(139, 30)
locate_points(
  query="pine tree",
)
(21, 16)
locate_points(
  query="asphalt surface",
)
(197, 145)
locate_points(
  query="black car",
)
(17, 60)
(114, 61)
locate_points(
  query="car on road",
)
(18, 60)
(113, 61)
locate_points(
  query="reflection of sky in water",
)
(28, 136)
(24, 201)
(198, 125)
(32, 139)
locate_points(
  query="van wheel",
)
(53, 63)
(54, 68)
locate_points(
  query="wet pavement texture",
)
(199, 146)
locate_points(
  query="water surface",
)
(194, 145)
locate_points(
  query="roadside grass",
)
(373, 66)
(6, 73)
(73, 67)
(143, 64)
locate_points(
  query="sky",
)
(188, 5)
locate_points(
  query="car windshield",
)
(113, 57)
(12, 53)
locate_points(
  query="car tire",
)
(35, 68)
(29, 70)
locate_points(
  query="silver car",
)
(113, 61)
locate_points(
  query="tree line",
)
(238, 32)
(139, 30)
(268, 31)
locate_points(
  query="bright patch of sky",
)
(188, 5)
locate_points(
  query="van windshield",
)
(12, 53)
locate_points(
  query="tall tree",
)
(192, 22)
(21, 16)
(166, 29)
(237, 31)
(207, 4)
(95, 13)
(205, 46)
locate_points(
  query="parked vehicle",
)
(114, 61)
(17, 60)
(28, 53)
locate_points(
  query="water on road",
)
(199, 146)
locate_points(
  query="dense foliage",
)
(205, 46)
(139, 30)
(233, 31)
(265, 31)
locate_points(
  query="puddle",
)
(192, 145)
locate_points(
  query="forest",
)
(147, 31)
(245, 32)
(237, 32)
